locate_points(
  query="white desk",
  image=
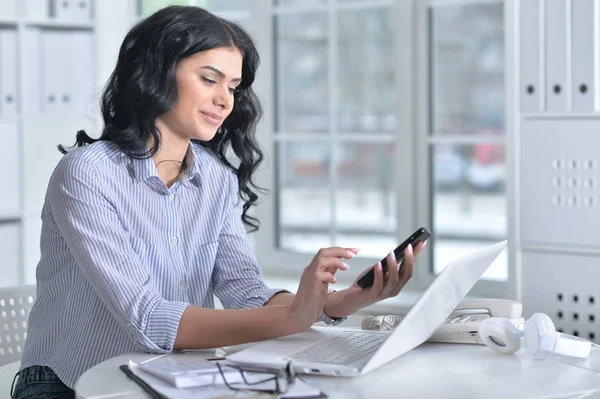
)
(429, 371)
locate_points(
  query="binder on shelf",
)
(60, 71)
(81, 87)
(8, 72)
(557, 88)
(82, 10)
(55, 80)
(584, 56)
(10, 200)
(8, 9)
(32, 70)
(38, 10)
(531, 88)
(63, 10)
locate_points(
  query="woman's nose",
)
(223, 98)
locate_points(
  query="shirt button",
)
(171, 197)
(182, 283)
(174, 240)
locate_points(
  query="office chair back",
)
(15, 305)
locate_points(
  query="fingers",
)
(332, 265)
(330, 259)
(407, 264)
(392, 277)
(326, 277)
(406, 271)
(338, 252)
(378, 280)
(419, 247)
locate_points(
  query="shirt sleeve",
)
(101, 247)
(237, 277)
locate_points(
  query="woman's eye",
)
(233, 90)
(209, 81)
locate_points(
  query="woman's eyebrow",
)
(219, 73)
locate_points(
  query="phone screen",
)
(422, 234)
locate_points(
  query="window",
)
(466, 126)
(147, 7)
(335, 127)
(335, 132)
(234, 10)
(350, 142)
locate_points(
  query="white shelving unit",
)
(558, 197)
(49, 89)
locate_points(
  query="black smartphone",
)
(422, 234)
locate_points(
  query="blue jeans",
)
(40, 382)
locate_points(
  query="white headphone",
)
(539, 336)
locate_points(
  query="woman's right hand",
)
(314, 283)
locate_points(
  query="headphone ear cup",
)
(540, 335)
(500, 335)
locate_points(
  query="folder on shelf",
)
(8, 9)
(10, 200)
(69, 71)
(82, 10)
(55, 77)
(31, 92)
(8, 72)
(557, 58)
(37, 9)
(584, 57)
(531, 88)
(80, 86)
(63, 9)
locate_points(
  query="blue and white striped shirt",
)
(122, 256)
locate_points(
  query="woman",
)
(142, 227)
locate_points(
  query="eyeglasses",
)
(260, 379)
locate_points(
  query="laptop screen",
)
(435, 305)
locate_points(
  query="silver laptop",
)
(351, 352)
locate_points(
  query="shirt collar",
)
(193, 170)
(144, 169)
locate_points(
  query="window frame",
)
(487, 288)
(412, 150)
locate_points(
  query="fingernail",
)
(379, 266)
(334, 280)
(410, 248)
(346, 266)
(350, 254)
(392, 255)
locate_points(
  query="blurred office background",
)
(380, 116)
(344, 130)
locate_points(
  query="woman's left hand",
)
(348, 301)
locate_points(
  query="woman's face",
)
(206, 82)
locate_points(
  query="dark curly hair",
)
(143, 87)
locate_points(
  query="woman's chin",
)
(204, 135)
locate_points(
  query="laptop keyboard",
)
(343, 349)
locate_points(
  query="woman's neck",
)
(168, 170)
(169, 158)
